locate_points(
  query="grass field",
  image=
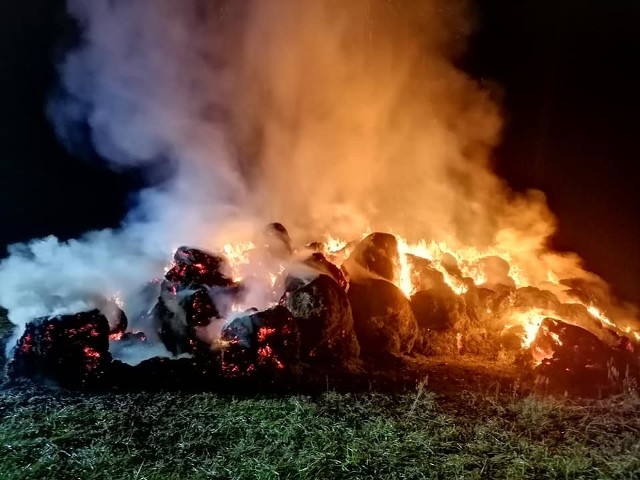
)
(477, 432)
(48, 434)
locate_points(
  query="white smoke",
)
(331, 116)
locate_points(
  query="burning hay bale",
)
(265, 343)
(179, 318)
(438, 308)
(447, 328)
(72, 350)
(437, 312)
(567, 352)
(383, 319)
(193, 268)
(325, 321)
(326, 318)
(496, 273)
(532, 297)
(587, 291)
(424, 275)
(116, 317)
(484, 305)
(186, 303)
(577, 314)
(377, 254)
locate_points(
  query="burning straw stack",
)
(338, 319)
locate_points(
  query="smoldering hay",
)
(332, 117)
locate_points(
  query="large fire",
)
(387, 132)
(260, 307)
(461, 269)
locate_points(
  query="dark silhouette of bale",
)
(276, 239)
(265, 343)
(199, 309)
(383, 319)
(378, 254)
(172, 327)
(577, 314)
(325, 321)
(319, 263)
(72, 350)
(121, 322)
(160, 373)
(438, 309)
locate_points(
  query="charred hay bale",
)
(565, 350)
(193, 268)
(383, 319)
(177, 317)
(438, 309)
(72, 350)
(378, 254)
(325, 321)
(571, 358)
(265, 343)
(526, 299)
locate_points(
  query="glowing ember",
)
(116, 336)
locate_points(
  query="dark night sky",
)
(570, 93)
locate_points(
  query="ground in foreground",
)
(45, 433)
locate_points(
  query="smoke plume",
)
(329, 116)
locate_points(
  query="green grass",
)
(45, 434)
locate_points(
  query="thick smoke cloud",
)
(330, 116)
